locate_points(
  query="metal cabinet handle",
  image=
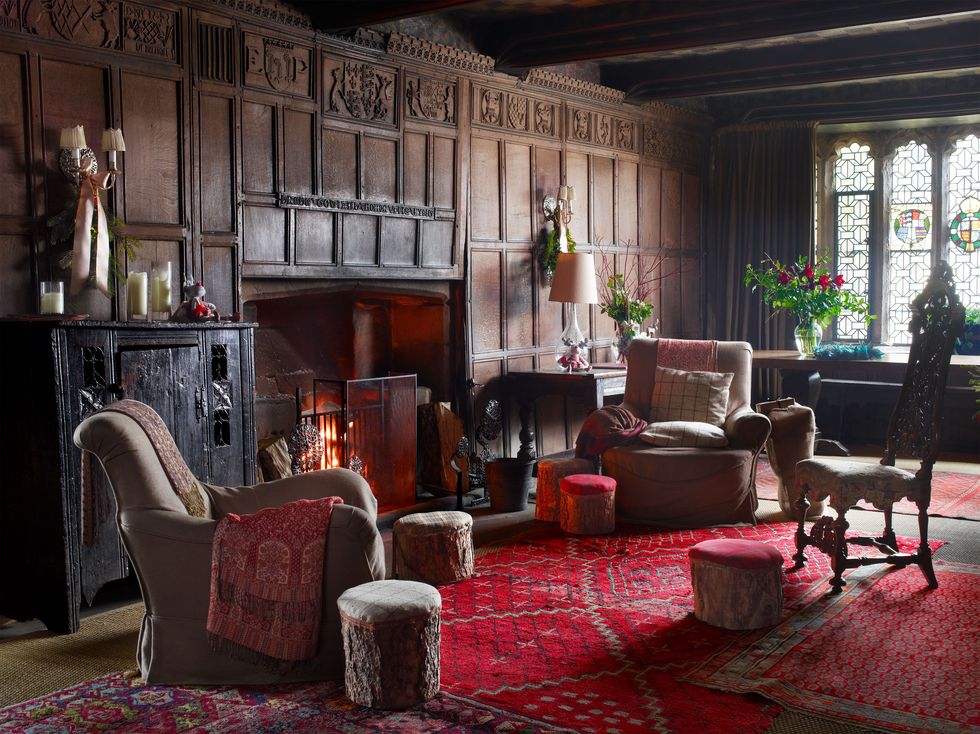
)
(199, 403)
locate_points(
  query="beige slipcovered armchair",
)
(689, 487)
(171, 553)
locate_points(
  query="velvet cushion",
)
(737, 553)
(684, 434)
(690, 396)
(587, 484)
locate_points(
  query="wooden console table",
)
(590, 387)
(802, 376)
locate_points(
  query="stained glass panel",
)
(909, 238)
(853, 184)
(964, 201)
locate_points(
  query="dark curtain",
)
(760, 203)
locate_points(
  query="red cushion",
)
(587, 484)
(747, 554)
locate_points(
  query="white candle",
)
(562, 192)
(571, 193)
(53, 303)
(136, 292)
(160, 298)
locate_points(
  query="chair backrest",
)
(937, 320)
(641, 370)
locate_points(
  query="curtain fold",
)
(761, 198)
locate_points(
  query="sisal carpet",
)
(885, 652)
(953, 494)
(554, 633)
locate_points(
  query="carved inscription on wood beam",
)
(433, 100)
(150, 31)
(513, 111)
(359, 91)
(282, 66)
(326, 204)
(89, 22)
(600, 128)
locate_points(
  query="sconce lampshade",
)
(112, 139)
(73, 137)
(575, 279)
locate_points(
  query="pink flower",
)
(784, 277)
(839, 281)
(825, 281)
(808, 272)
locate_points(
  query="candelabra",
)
(559, 211)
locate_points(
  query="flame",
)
(332, 447)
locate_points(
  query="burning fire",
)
(333, 447)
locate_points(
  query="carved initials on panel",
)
(149, 31)
(279, 65)
(431, 100)
(360, 91)
(92, 22)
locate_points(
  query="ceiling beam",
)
(627, 28)
(347, 14)
(936, 48)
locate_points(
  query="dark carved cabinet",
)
(198, 377)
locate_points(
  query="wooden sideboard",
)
(198, 377)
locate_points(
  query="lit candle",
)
(160, 292)
(73, 138)
(136, 293)
(112, 141)
(52, 297)
(571, 193)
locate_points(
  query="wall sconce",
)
(560, 211)
(78, 164)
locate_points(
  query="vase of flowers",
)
(807, 290)
(623, 295)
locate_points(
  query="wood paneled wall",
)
(258, 148)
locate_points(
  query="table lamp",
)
(574, 282)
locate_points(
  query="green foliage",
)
(805, 289)
(548, 252)
(62, 229)
(973, 316)
(847, 351)
(619, 306)
(975, 382)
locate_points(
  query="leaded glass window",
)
(909, 254)
(854, 183)
(962, 238)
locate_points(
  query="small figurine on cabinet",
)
(194, 307)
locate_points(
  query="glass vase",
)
(572, 352)
(808, 335)
(626, 331)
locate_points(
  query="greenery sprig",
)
(548, 252)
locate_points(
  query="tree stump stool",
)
(790, 442)
(738, 584)
(434, 547)
(391, 643)
(547, 504)
(588, 504)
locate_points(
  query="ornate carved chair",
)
(914, 431)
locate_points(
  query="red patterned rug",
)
(885, 652)
(554, 633)
(953, 494)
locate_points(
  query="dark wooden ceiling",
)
(829, 60)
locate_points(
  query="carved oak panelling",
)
(265, 235)
(437, 244)
(380, 168)
(602, 201)
(217, 164)
(258, 146)
(672, 145)
(517, 167)
(487, 275)
(340, 167)
(88, 22)
(12, 137)
(437, 54)
(150, 31)
(298, 151)
(670, 212)
(17, 294)
(692, 212)
(577, 175)
(600, 128)
(444, 182)
(220, 266)
(10, 15)
(650, 210)
(415, 154)
(512, 111)
(485, 188)
(399, 237)
(215, 55)
(626, 201)
(315, 238)
(431, 100)
(278, 65)
(360, 239)
(359, 91)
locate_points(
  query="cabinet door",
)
(226, 434)
(166, 371)
(95, 544)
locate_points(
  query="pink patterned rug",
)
(887, 652)
(953, 494)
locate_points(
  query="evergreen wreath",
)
(548, 252)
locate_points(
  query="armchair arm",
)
(747, 429)
(343, 483)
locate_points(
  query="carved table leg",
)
(888, 536)
(526, 410)
(839, 557)
(802, 505)
(925, 552)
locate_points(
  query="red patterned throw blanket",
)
(604, 428)
(267, 582)
(690, 355)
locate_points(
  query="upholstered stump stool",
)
(738, 584)
(588, 504)
(434, 547)
(547, 504)
(391, 643)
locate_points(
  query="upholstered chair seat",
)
(843, 483)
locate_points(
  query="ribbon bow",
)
(89, 204)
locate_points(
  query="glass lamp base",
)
(572, 353)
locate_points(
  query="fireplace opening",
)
(337, 344)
